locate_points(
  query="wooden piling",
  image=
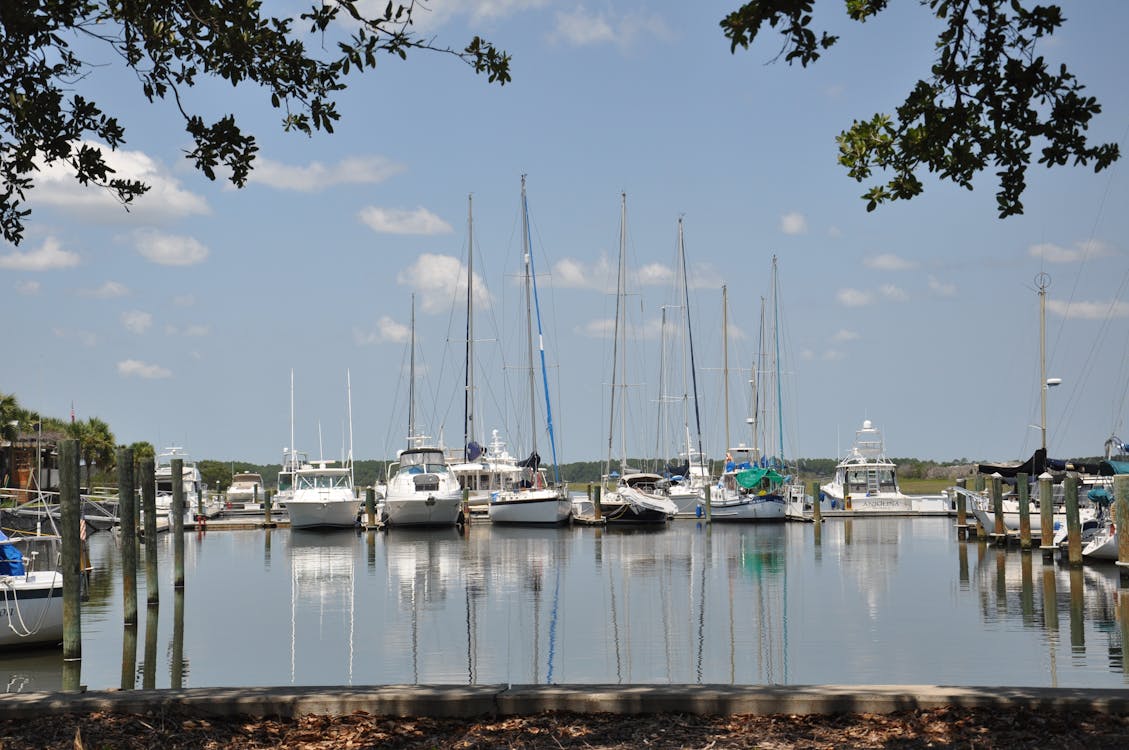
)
(466, 506)
(129, 658)
(816, 510)
(1121, 526)
(597, 508)
(176, 522)
(709, 506)
(69, 516)
(370, 507)
(1024, 512)
(999, 533)
(962, 512)
(149, 505)
(149, 660)
(1046, 516)
(176, 657)
(1073, 524)
(127, 499)
(268, 509)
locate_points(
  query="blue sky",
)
(179, 322)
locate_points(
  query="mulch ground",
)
(935, 728)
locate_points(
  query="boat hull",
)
(312, 514)
(544, 508)
(758, 508)
(434, 509)
(31, 610)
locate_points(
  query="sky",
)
(180, 321)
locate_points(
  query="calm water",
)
(871, 601)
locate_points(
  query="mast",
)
(660, 431)
(620, 315)
(468, 397)
(540, 338)
(1042, 281)
(758, 364)
(690, 341)
(292, 449)
(412, 378)
(527, 252)
(776, 340)
(725, 358)
(349, 402)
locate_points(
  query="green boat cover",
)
(752, 477)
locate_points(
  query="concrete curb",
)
(500, 700)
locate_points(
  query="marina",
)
(850, 601)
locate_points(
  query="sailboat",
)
(323, 495)
(422, 488)
(533, 499)
(752, 488)
(637, 497)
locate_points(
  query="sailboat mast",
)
(528, 253)
(468, 398)
(1043, 280)
(412, 377)
(292, 449)
(349, 403)
(725, 358)
(623, 332)
(540, 341)
(776, 340)
(619, 314)
(690, 340)
(660, 431)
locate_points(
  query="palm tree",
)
(78, 431)
(97, 446)
(10, 422)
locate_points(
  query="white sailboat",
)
(637, 497)
(422, 490)
(323, 495)
(31, 591)
(533, 500)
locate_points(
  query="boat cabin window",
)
(164, 488)
(418, 463)
(322, 481)
(285, 482)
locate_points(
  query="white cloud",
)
(598, 329)
(136, 321)
(396, 221)
(570, 273)
(1088, 310)
(580, 27)
(317, 176)
(439, 279)
(194, 331)
(854, 297)
(843, 335)
(387, 330)
(888, 262)
(108, 290)
(28, 288)
(135, 368)
(941, 288)
(895, 293)
(793, 223)
(169, 249)
(165, 199)
(654, 274)
(184, 300)
(1052, 253)
(833, 355)
(49, 257)
(86, 338)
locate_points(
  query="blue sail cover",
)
(11, 561)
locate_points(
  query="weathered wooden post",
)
(268, 509)
(597, 509)
(709, 506)
(1046, 517)
(126, 502)
(816, 510)
(129, 657)
(999, 533)
(1121, 527)
(1024, 512)
(176, 522)
(370, 507)
(962, 566)
(69, 517)
(1050, 603)
(962, 512)
(176, 668)
(149, 505)
(1073, 524)
(1026, 588)
(199, 506)
(466, 506)
(1077, 611)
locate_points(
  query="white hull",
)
(31, 610)
(544, 507)
(433, 509)
(749, 508)
(887, 502)
(1103, 546)
(688, 502)
(327, 513)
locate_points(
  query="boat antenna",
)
(321, 451)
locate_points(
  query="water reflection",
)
(876, 601)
